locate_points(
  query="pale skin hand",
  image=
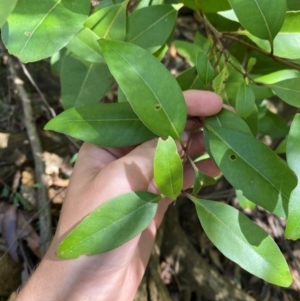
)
(99, 175)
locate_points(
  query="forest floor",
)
(184, 266)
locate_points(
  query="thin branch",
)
(50, 109)
(42, 192)
(268, 54)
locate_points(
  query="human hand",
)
(99, 175)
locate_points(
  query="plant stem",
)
(268, 54)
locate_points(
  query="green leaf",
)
(83, 82)
(109, 22)
(243, 201)
(288, 90)
(144, 24)
(56, 61)
(168, 169)
(153, 93)
(262, 18)
(273, 125)
(110, 225)
(211, 6)
(265, 179)
(85, 45)
(281, 148)
(243, 242)
(277, 76)
(245, 101)
(189, 79)
(252, 120)
(34, 30)
(204, 68)
(229, 120)
(220, 81)
(287, 42)
(6, 7)
(292, 230)
(188, 50)
(109, 125)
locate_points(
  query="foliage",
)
(247, 51)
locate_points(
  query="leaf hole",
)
(157, 107)
(232, 157)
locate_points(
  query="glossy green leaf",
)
(6, 7)
(204, 68)
(85, 45)
(292, 230)
(265, 180)
(243, 241)
(245, 100)
(110, 225)
(34, 30)
(287, 42)
(82, 82)
(121, 95)
(109, 22)
(153, 93)
(293, 5)
(109, 125)
(243, 201)
(188, 50)
(106, 3)
(189, 79)
(168, 169)
(288, 90)
(251, 63)
(144, 24)
(277, 76)
(262, 18)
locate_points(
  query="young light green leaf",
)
(287, 42)
(189, 79)
(220, 81)
(262, 18)
(266, 180)
(108, 125)
(243, 242)
(109, 22)
(110, 225)
(251, 63)
(204, 68)
(288, 90)
(153, 93)
(168, 169)
(85, 45)
(6, 7)
(144, 24)
(245, 100)
(243, 201)
(27, 33)
(277, 76)
(82, 82)
(292, 230)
